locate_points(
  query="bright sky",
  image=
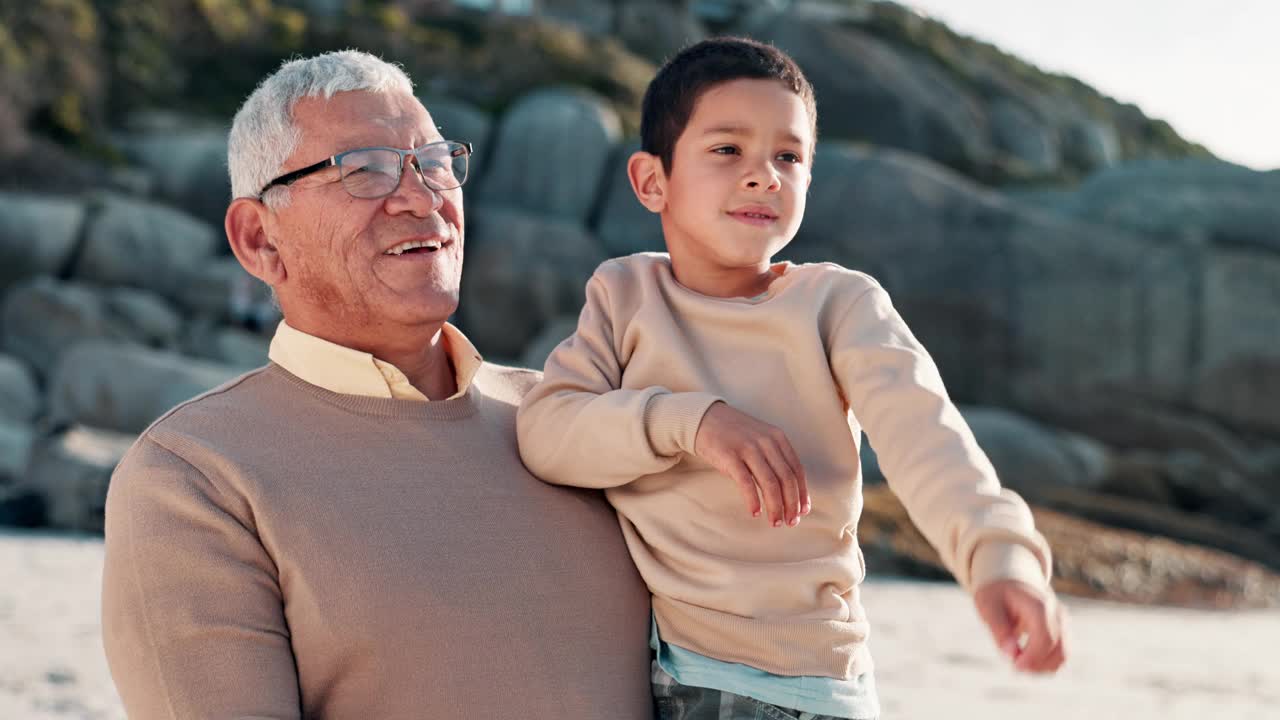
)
(1212, 70)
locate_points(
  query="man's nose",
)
(413, 194)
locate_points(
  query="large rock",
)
(870, 90)
(219, 289)
(550, 154)
(1215, 201)
(1087, 144)
(625, 226)
(463, 122)
(19, 395)
(16, 439)
(130, 242)
(983, 281)
(125, 387)
(1190, 481)
(522, 271)
(658, 30)
(231, 346)
(187, 159)
(71, 472)
(1024, 138)
(1237, 377)
(590, 15)
(1029, 457)
(151, 320)
(42, 318)
(38, 235)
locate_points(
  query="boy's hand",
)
(1016, 612)
(759, 458)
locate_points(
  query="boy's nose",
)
(764, 178)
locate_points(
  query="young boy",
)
(712, 366)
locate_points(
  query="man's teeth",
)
(404, 247)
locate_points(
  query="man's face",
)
(335, 246)
(736, 191)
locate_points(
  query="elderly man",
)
(348, 532)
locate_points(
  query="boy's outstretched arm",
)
(984, 534)
(578, 427)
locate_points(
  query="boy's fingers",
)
(1040, 643)
(789, 485)
(997, 619)
(802, 484)
(1054, 660)
(769, 488)
(797, 471)
(1058, 631)
(747, 487)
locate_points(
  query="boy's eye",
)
(725, 150)
(789, 157)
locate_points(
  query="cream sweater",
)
(822, 355)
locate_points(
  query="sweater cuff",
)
(671, 420)
(995, 560)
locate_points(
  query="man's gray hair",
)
(263, 134)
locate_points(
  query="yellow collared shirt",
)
(352, 372)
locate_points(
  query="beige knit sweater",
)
(278, 550)
(822, 355)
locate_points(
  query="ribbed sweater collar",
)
(458, 408)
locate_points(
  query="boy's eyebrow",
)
(727, 130)
(743, 130)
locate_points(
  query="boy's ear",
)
(247, 232)
(648, 181)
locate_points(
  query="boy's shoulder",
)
(631, 271)
(833, 279)
(638, 264)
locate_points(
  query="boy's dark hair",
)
(673, 92)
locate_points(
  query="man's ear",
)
(247, 232)
(648, 181)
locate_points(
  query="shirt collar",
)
(353, 372)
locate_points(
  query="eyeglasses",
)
(374, 172)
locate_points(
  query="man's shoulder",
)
(194, 427)
(237, 397)
(221, 415)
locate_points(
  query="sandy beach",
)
(933, 657)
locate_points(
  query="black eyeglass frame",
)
(336, 161)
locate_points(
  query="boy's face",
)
(736, 191)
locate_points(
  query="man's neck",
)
(429, 369)
(421, 353)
